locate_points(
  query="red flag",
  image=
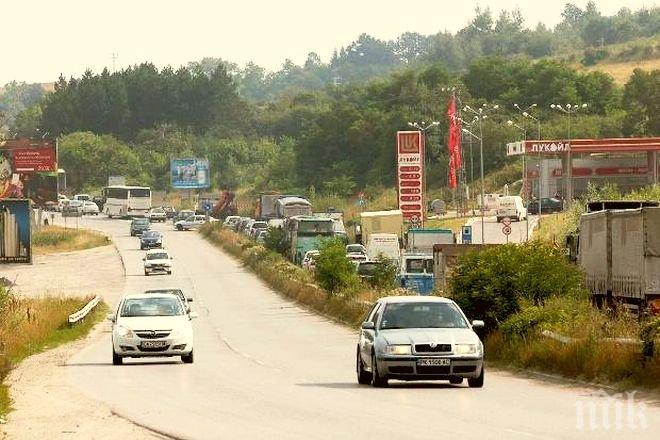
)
(454, 144)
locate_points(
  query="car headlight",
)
(125, 332)
(465, 348)
(397, 350)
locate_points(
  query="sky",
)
(45, 38)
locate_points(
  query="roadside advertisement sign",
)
(28, 169)
(410, 175)
(15, 233)
(190, 173)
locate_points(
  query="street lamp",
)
(510, 123)
(569, 110)
(480, 115)
(424, 127)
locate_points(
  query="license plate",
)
(153, 344)
(433, 362)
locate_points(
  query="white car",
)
(231, 220)
(308, 261)
(192, 222)
(62, 201)
(90, 208)
(157, 215)
(157, 260)
(82, 197)
(149, 325)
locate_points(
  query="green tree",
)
(334, 272)
(642, 104)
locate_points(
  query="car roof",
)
(414, 298)
(149, 295)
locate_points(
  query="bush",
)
(491, 284)
(276, 240)
(334, 272)
(384, 274)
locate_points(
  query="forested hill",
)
(337, 136)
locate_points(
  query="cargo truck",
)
(381, 222)
(266, 205)
(619, 251)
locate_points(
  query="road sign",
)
(207, 206)
(506, 230)
(506, 221)
(466, 234)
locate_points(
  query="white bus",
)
(126, 201)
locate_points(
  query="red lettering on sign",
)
(410, 191)
(410, 183)
(410, 198)
(410, 176)
(409, 168)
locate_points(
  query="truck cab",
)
(416, 273)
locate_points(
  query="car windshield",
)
(151, 234)
(140, 221)
(157, 306)
(157, 256)
(419, 265)
(422, 315)
(176, 292)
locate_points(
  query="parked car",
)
(276, 223)
(73, 206)
(151, 239)
(138, 323)
(356, 249)
(261, 237)
(231, 220)
(157, 260)
(366, 269)
(178, 292)
(192, 222)
(247, 226)
(308, 261)
(157, 215)
(357, 257)
(256, 226)
(90, 208)
(139, 225)
(238, 227)
(419, 338)
(548, 205)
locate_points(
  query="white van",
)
(512, 207)
(386, 244)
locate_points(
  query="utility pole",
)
(114, 57)
(568, 111)
(524, 176)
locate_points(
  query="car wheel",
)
(179, 228)
(146, 274)
(477, 382)
(363, 377)
(455, 380)
(187, 358)
(377, 380)
(169, 272)
(116, 359)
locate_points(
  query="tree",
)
(333, 271)
(640, 100)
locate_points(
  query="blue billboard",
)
(190, 173)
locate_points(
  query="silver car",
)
(419, 338)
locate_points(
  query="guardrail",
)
(80, 314)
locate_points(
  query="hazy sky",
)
(43, 38)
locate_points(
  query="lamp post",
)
(510, 123)
(569, 110)
(480, 115)
(424, 127)
(526, 114)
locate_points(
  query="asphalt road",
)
(265, 368)
(493, 230)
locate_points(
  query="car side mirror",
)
(171, 258)
(189, 300)
(110, 317)
(144, 259)
(477, 323)
(193, 315)
(368, 326)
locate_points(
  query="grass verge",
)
(51, 239)
(594, 352)
(33, 325)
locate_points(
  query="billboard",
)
(15, 238)
(410, 175)
(190, 173)
(28, 169)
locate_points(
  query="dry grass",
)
(590, 356)
(51, 239)
(622, 71)
(32, 325)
